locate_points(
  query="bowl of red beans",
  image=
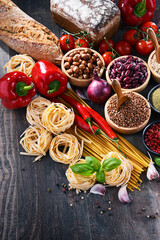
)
(132, 72)
(151, 137)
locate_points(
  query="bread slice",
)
(25, 35)
(100, 18)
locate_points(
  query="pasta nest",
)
(120, 175)
(20, 62)
(56, 118)
(36, 141)
(80, 182)
(35, 110)
(65, 148)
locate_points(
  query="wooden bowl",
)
(143, 137)
(126, 130)
(138, 89)
(76, 81)
(155, 75)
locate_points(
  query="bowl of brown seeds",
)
(132, 116)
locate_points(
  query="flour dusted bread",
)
(98, 17)
(25, 35)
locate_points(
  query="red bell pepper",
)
(16, 90)
(49, 79)
(136, 12)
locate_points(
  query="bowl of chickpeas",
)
(78, 65)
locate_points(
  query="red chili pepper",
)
(49, 79)
(101, 122)
(104, 125)
(136, 12)
(85, 115)
(16, 90)
(79, 122)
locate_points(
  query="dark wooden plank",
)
(29, 211)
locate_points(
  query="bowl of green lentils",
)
(154, 99)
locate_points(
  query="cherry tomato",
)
(132, 36)
(81, 43)
(108, 57)
(149, 25)
(66, 42)
(144, 47)
(123, 48)
(103, 46)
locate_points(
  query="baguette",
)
(27, 36)
(101, 18)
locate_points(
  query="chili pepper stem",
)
(89, 123)
(113, 140)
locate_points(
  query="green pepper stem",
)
(53, 86)
(29, 87)
(89, 123)
(115, 140)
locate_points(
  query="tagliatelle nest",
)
(120, 175)
(35, 110)
(80, 182)
(36, 141)
(56, 118)
(22, 63)
(65, 148)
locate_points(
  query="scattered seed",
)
(109, 209)
(71, 205)
(82, 197)
(48, 190)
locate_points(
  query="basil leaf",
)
(157, 161)
(93, 162)
(82, 169)
(110, 164)
(100, 176)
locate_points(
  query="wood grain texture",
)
(29, 212)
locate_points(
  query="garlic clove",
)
(98, 189)
(123, 195)
(152, 173)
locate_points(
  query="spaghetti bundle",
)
(21, 62)
(56, 118)
(121, 175)
(102, 145)
(35, 110)
(80, 182)
(35, 141)
(71, 149)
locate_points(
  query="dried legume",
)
(131, 113)
(152, 137)
(130, 71)
(80, 63)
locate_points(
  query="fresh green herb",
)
(92, 165)
(100, 175)
(110, 164)
(82, 169)
(93, 162)
(157, 161)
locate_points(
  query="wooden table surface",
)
(29, 211)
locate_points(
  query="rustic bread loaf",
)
(98, 17)
(25, 35)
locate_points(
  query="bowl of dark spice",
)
(132, 72)
(151, 137)
(132, 116)
(154, 99)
